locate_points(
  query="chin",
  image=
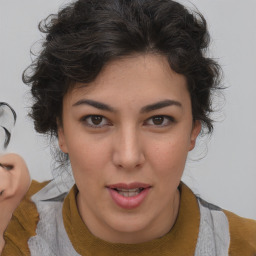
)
(129, 228)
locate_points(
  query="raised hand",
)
(14, 183)
(14, 176)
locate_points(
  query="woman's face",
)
(128, 134)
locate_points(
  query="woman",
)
(126, 88)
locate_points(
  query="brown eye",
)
(158, 120)
(96, 120)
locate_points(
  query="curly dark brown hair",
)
(85, 35)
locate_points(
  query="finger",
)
(15, 178)
(6, 167)
(11, 161)
(5, 183)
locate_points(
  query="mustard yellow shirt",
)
(181, 240)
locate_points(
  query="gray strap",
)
(214, 237)
(51, 237)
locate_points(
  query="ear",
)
(194, 134)
(61, 138)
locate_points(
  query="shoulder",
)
(242, 235)
(233, 234)
(23, 223)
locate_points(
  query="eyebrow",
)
(145, 109)
(159, 105)
(95, 104)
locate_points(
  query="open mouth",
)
(129, 196)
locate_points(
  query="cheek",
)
(86, 156)
(87, 168)
(170, 154)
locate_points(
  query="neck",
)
(156, 229)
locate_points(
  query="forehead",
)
(135, 78)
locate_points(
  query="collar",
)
(180, 240)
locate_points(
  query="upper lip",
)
(129, 185)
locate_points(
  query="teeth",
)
(129, 192)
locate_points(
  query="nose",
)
(128, 152)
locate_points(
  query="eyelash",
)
(168, 119)
(86, 118)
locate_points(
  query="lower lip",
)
(128, 202)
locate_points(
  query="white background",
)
(226, 175)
